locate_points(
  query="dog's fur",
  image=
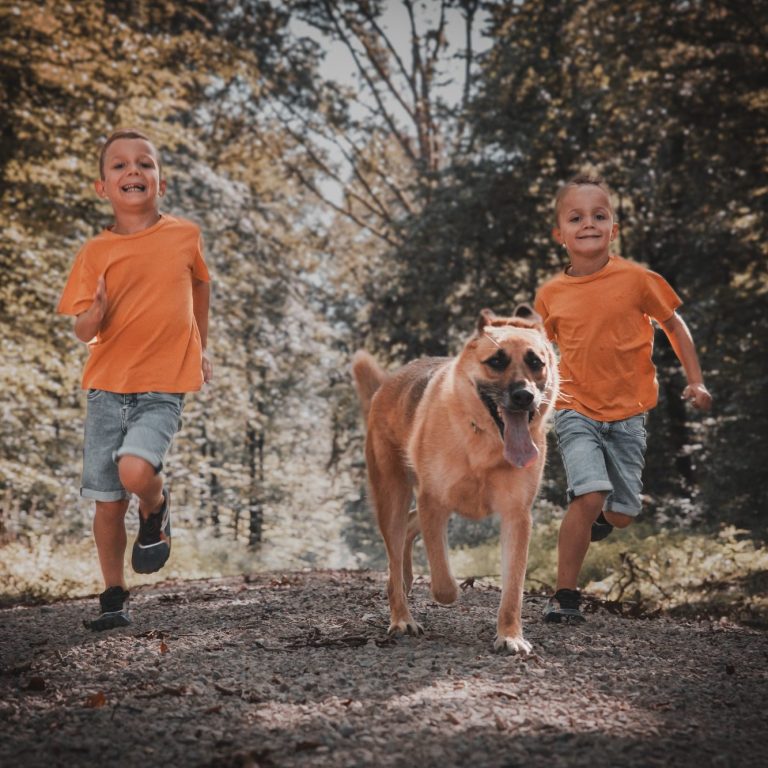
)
(468, 435)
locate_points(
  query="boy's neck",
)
(582, 266)
(129, 223)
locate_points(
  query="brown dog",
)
(468, 434)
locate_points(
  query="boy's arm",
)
(201, 299)
(88, 323)
(682, 342)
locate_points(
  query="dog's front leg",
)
(515, 535)
(433, 518)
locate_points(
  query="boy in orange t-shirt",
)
(598, 312)
(140, 292)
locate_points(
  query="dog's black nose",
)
(520, 399)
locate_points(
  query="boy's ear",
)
(162, 187)
(557, 235)
(614, 232)
(98, 185)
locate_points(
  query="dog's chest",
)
(471, 497)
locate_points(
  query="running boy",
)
(598, 312)
(139, 291)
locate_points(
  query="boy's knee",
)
(618, 520)
(135, 473)
(109, 509)
(589, 504)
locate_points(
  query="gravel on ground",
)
(297, 669)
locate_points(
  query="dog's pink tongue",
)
(519, 449)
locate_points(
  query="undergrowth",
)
(694, 575)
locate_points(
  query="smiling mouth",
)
(133, 188)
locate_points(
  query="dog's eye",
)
(533, 361)
(499, 361)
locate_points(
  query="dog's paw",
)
(509, 644)
(405, 627)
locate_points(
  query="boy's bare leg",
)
(573, 541)
(138, 476)
(110, 537)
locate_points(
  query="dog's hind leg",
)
(412, 532)
(391, 491)
(434, 530)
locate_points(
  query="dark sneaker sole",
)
(150, 558)
(107, 621)
(565, 616)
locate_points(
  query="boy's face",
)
(585, 222)
(131, 176)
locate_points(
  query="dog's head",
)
(513, 369)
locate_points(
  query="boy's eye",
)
(498, 362)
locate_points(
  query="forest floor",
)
(296, 669)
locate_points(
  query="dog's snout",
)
(520, 398)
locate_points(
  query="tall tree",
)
(652, 97)
(192, 78)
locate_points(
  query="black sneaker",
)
(600, 528)
(153, 544)
(564, 606)
(114, 610)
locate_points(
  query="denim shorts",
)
(141, 424)
(606, 456)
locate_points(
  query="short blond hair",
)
(581, 180)
(125, 133)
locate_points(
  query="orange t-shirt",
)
(601, 324)
(149, 340)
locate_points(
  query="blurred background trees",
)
(374, 173)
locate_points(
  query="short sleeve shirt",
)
(602, 326)
(149, 340)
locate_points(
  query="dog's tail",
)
(368, 376)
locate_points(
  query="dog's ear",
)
(486, 317)
(527, 312)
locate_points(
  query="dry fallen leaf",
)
(96, 700)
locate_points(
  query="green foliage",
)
(654, 98)
(193, 80)
(378, 211)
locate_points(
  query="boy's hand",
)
(88, 323)
(99, 307)
(698, 395)
(207, 368)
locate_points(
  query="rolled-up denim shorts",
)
(606, 456)
(141, 424)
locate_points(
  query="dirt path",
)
(297, 670)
